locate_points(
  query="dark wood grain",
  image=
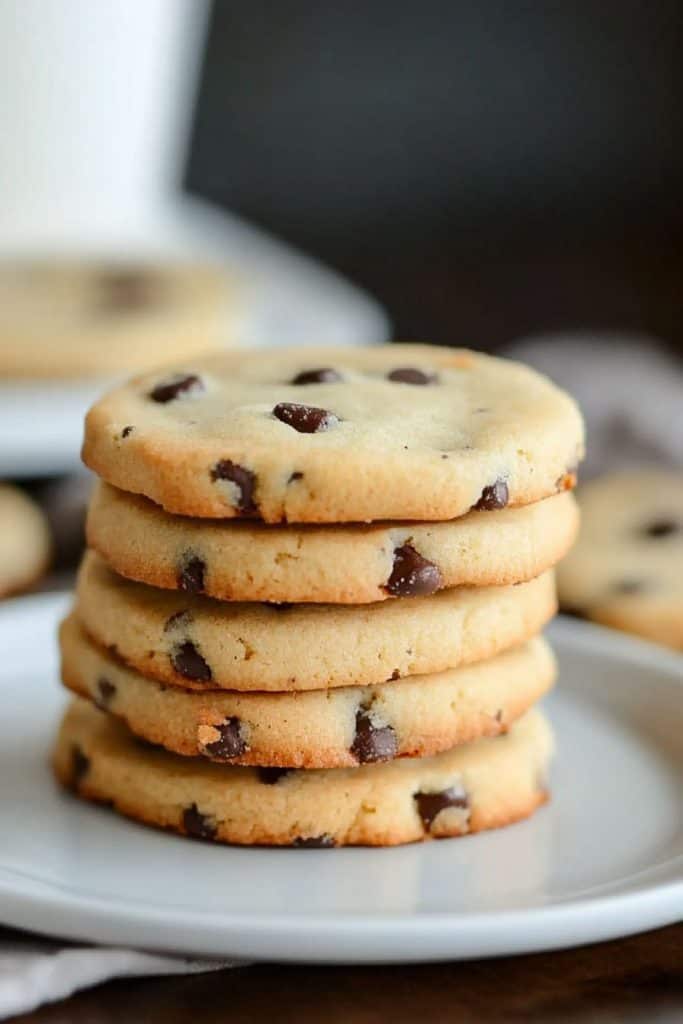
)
(635, 979)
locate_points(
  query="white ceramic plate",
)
(286, 298)
(604, 859)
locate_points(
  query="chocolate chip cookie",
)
(196, 642)
(626, 570)
(70, 319)
(485, 784)
(251, 561)
(338, 435)
(24, 541)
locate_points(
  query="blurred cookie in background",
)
(66, 319)
(626, 570)
(25, 544)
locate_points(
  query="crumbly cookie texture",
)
(626, 570)
(485, 784)
(252, 561)
(199, 643)
(25, 542)
(413, 717)
(338, 435)
(73, 319)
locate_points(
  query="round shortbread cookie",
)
(626, 570)
(485, 784)
(197, 642)
(252, 561)
(60, 318)
(392, 432)
(24, 541)
(413, 717)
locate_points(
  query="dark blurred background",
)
(486, 169)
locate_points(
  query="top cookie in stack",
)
(379, 601)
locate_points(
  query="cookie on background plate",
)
(64, 318)
(25, 544)
(252, 561)
(626, 569)
(199, 643)
(338, 435)
(485, 784)
(412, 717)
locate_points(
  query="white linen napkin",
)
(34, 971)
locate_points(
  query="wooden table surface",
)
(631, 980)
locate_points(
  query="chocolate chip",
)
(178, 386)
(628, 586)
(230, 742)
(394, 675)
(197, 824)
(105, 693)
(372, 742)
(306, 419)
(323, 842)
(429, 805)
(271, 776)
(188, 662)
(123, 290)
(179, 618)
(326, 375)
(190, 576)
(295, 476)
(127, 431)
(244, 480)
(493, 497)
(411, 375)
(80, 764)
(412, 574)
(662, 528)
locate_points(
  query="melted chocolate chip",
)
(190, 577)
(106, 692)
(178, 386)
(197, 824)
(493, 497)
(306, 419)
(230, 743)
(662, 528)
(326, 375)
(295, 476)
(372, 742)
(394, 676)
(80, 764)
(188, 662)
(271, 776)
(323, 842)
(244, 480)
(127, 431)
(411, 375)
(412, 574)
(429, 805)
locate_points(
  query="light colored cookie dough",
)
(24, 541)
(626, 570)
(485, 784)
(413, 717)
(72, 319)
(400, 432)
(251, 561)
(197, 642)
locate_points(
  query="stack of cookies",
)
(312, 604)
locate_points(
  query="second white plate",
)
(604, 859)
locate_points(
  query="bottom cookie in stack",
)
(484, 784)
